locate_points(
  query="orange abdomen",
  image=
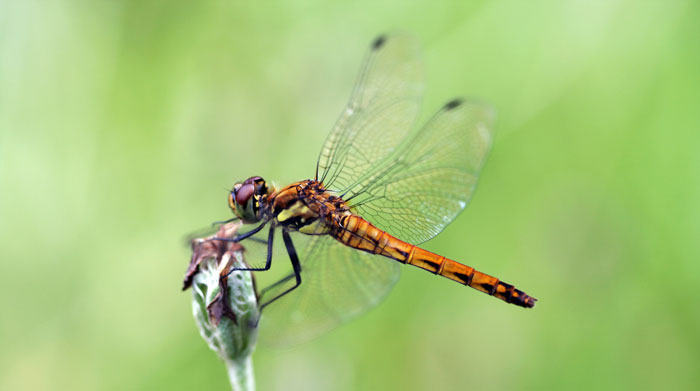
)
(359, 233)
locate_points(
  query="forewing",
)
(383, 108)
(429, 180)
(338, 284)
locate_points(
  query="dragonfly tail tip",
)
(530, 302)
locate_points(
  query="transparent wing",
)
(338, 284)
(383, 108)
(429, 178)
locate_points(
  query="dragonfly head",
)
(244, 200)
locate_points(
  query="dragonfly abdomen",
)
(359, 233)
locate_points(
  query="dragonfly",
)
(382, 187)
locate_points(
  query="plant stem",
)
(240, 373)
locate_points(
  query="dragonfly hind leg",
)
(296, 266)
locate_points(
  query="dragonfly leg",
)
(295, 265)
(268, 262)
(246, 235)
(214, 224)
(280, 282)
(257, 240)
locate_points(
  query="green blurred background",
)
(122, 124)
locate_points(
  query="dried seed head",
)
(225, 305)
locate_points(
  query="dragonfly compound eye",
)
(244, 193)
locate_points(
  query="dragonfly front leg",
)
(268, 262)
(296, 266)
(222, 222)
(246, 235)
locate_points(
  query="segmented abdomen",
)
(359, 233)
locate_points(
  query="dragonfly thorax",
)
(306, 206)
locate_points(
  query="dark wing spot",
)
(378, 42)
(453, 103)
